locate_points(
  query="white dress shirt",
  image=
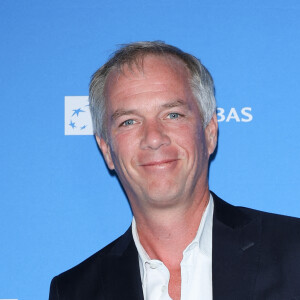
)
(196, 265)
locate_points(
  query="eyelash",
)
(125, 123)
(174, 113)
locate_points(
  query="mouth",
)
(160, 163)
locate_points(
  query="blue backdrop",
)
(58, 203)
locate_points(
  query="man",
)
(153, 111)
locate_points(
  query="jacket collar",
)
(235, 255)
(122, 278)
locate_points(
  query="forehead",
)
(152, 73)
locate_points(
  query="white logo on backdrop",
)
(233, 114)
(78, 119)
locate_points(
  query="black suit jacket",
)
(256, 255)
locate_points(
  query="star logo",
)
(77, 111)
(72, 124)
(78, 119)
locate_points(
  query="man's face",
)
(156, 142)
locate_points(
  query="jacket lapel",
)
(235, 254)
(235, 258)
(122, 279)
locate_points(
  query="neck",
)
(165, 233)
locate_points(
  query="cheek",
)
(192, 140)
(186, 134)
(124, 146)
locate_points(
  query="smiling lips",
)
(159, 164)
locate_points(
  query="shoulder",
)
(273, 222)
(115, 248)
(85, 278)
(243, 215)
(263, 244)
(279, 250)
(274, 229)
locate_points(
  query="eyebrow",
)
(175, 103)
(121, 112)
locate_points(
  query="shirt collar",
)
(141, 251)
(203, 238)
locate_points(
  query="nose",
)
(154, 136)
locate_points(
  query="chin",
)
(163, 203)
(163, 197)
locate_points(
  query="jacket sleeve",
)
(53, 294)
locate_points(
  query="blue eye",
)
(174, 115)
(128, 122)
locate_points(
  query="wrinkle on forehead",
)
(136, 67)
(158, 75)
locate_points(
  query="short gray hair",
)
(201, 81)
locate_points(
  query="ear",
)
(211, 134)
(105, 149)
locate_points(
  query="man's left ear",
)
(211, 134)
(105, 149)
